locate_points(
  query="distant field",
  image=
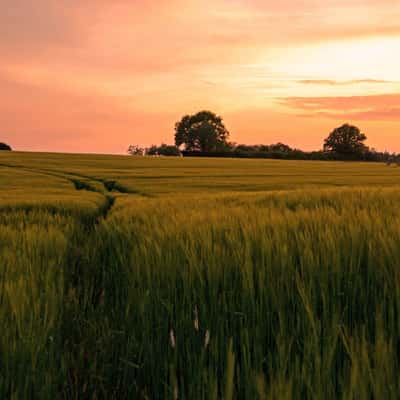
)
(163, 175)
(166, 278)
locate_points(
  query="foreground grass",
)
(271, 295)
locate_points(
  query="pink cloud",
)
(144, 36)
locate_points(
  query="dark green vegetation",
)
(173, 278)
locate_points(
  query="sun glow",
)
(368, 59)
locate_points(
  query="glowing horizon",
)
(96, 77)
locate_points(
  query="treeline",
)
(205, 135)
(278, 151)
(284, 152)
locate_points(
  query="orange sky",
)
(98, 75)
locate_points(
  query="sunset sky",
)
(98, 75)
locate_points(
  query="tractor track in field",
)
(85, 182)
(84, 285)
(79, 183)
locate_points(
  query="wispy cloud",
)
(390, 114)
(328, 82)
(373, 107)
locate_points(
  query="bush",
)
(4, 146)
(163, 150)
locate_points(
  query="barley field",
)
(170, 278)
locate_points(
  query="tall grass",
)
(298, 293)
(32, 253)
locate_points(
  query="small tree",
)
(4, 146)
(135, 150)
(203, 131)
(346, 140)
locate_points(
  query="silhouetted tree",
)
(4, 146)
(347, 140)
(203, 132)
(135, 150)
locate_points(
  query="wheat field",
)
(170, 278)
